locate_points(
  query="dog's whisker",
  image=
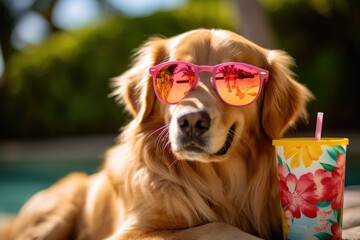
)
(174, 160)
(247, 144)
(173, 163)
(157, 130)
(163, 136)
(162, 144)
(162, 140)
(160, 137)
(167, 145)
(236, 136)
(239, 138)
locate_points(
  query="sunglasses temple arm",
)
(265, 76)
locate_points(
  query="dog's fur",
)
(151, 185)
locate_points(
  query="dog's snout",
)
(194, 123)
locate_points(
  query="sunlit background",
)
(57, 57)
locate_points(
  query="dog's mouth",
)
(228, 141)
(196, 148)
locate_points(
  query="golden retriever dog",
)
(196, 161)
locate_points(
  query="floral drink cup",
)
(311, 177)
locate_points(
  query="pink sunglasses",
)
(237, 84)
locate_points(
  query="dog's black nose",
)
(194, 123)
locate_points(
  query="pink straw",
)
(319, 122)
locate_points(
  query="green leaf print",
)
(287, 166)
(338, 216)
(279, 160)
(335, 151)
(331, 221)
(323, 204)
(327, 167)
(323, 236)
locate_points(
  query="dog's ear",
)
(134, 87)
(285, 99)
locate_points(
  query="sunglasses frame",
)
(263, 74)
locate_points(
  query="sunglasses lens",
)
(174, 81)
(236, 84)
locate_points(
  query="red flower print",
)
(338, 175)
(325, 183)
(299, 196)
(282, 172)
(323, 215)
(321, 227)
(337, 191)
(336, 231)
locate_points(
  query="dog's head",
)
(201, 125)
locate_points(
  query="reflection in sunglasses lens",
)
(236, 84)
(174, 81)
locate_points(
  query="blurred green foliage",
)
(324, 38)
(61, 87)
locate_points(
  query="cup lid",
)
(310, 142)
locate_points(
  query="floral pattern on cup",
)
(316, 194)
(306, 154)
